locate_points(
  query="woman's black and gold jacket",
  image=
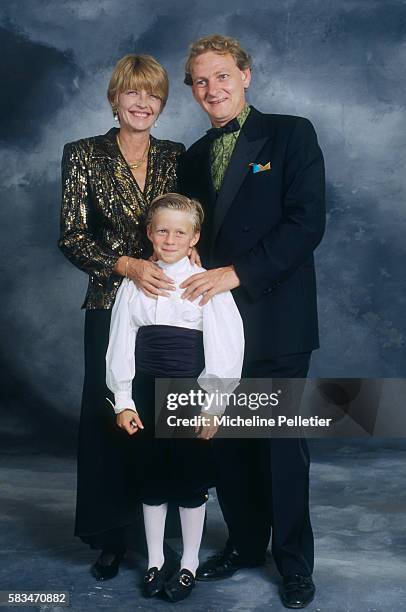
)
(103, 209)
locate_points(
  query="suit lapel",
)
(120, 173)
(203, 171)
(247, 147)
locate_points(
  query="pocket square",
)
(260, 168)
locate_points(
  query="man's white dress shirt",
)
(219, 320)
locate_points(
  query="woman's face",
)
(137, 110)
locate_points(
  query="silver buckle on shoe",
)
(185, 580)
(150, 576)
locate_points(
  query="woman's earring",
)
(115, 116)
(156, 123)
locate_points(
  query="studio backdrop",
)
(341, 64)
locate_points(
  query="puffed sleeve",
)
(120, 359)
(223, 341)
(77, 240)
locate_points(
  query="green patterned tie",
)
(222, 149)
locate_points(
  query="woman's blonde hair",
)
(175, 201)
(218, 44)
(138, 72)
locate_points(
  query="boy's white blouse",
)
(219, 320)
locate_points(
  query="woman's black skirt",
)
(108, 514)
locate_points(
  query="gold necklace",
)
(138, 163)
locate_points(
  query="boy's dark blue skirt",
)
(178, 470)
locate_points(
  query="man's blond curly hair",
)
(220, 44)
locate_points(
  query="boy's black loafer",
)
(154, 581)
(180, 585)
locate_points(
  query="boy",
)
(169, 336)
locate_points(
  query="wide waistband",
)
(169, 351)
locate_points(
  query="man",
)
(260, 179)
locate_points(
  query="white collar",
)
(183, 265)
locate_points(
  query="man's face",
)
(219, 86)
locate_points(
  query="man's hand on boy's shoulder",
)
(209, 283)
(194, 257)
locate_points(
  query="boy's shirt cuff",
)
(215, 408)
(123, 401)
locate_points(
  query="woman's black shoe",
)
(154, 581)
(107, 564)
(180, 585)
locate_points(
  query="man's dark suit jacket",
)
(267, 224)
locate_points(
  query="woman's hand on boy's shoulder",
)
(130, 421)
(150, 278)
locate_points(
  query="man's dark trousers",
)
(263, 484)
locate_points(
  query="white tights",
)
(191, 519)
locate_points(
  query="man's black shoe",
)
(297, 591)
(222, 565)
(106, 565)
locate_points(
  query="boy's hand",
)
(130, 421)
(206, 432)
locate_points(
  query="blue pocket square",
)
(260, 168)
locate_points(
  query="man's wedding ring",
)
(133, 423)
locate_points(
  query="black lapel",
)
(249, 143)
(106, 145)
(202, 172)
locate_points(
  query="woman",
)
(108, 183)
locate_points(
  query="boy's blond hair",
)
(176, 201)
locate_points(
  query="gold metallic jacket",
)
(103, 209)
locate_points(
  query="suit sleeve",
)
(292, 241)
(77, 241)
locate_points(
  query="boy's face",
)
(172, 235)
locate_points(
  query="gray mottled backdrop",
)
(339, 63)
